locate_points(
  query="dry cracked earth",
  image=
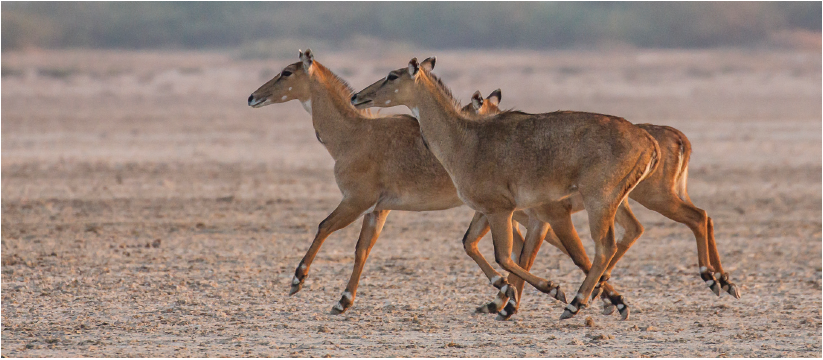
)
(148, 211)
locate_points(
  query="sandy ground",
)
(148, 211)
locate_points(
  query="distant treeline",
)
(438, 25)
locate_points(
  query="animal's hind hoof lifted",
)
(624, 311)
(559, 295)
(728, 286)
(711, 282)
(732, 290)
(608, 309)
(295, 288)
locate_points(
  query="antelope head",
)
(290, 84)
(395, 89)
(487, 106)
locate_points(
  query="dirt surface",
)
(148, 211)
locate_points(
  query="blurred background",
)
(438, 25)
(148, 211)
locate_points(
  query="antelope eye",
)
(285, 73)
(391, 77)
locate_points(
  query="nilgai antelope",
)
(381, 163)
(514, 160)
(662, 191)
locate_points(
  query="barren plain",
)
(148, 211)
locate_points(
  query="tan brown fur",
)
(514, 160)
(381, 162)
(656, 190)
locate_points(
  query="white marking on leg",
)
(339, 307)
(579, 296)
(347, 295)
(710, 282)
(505, 288)
(571, 308)
(703, 269)
(553, 292)
(495, 279)
(498, 302)
(502, 312)
(307, 106)
(295, 281)
(303, 267)
(606, 300)
(620, 306)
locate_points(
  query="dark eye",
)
(391, 77)
(285, 73)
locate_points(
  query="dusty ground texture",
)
(148, 211)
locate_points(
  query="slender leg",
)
(714, 257)
(559, 215)
(372, 225)
(673, 207)
(633, 230)
(534, 238)
(346, 212)
(500, 224)
(477, 229)
(601, 222)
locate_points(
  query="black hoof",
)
(572, 309)
(612, 302)
(728, 286)
(508, 311)
(295, 288)
(711, 282)
(624, 311)
(490, 308)
(560, 295)
(608, 309)
(337, 309)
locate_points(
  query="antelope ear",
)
(495, 97)
(477, 100)
(307, 58)
(414, 67)
(428, 64)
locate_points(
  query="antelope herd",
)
(510, 167)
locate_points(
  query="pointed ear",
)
(300, 57)
(428, 64)
(307, 58)
(477, 100)
(495, 97)
(413, 67)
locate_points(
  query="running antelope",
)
(381, 164)
(513, 160)
(663, 191)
